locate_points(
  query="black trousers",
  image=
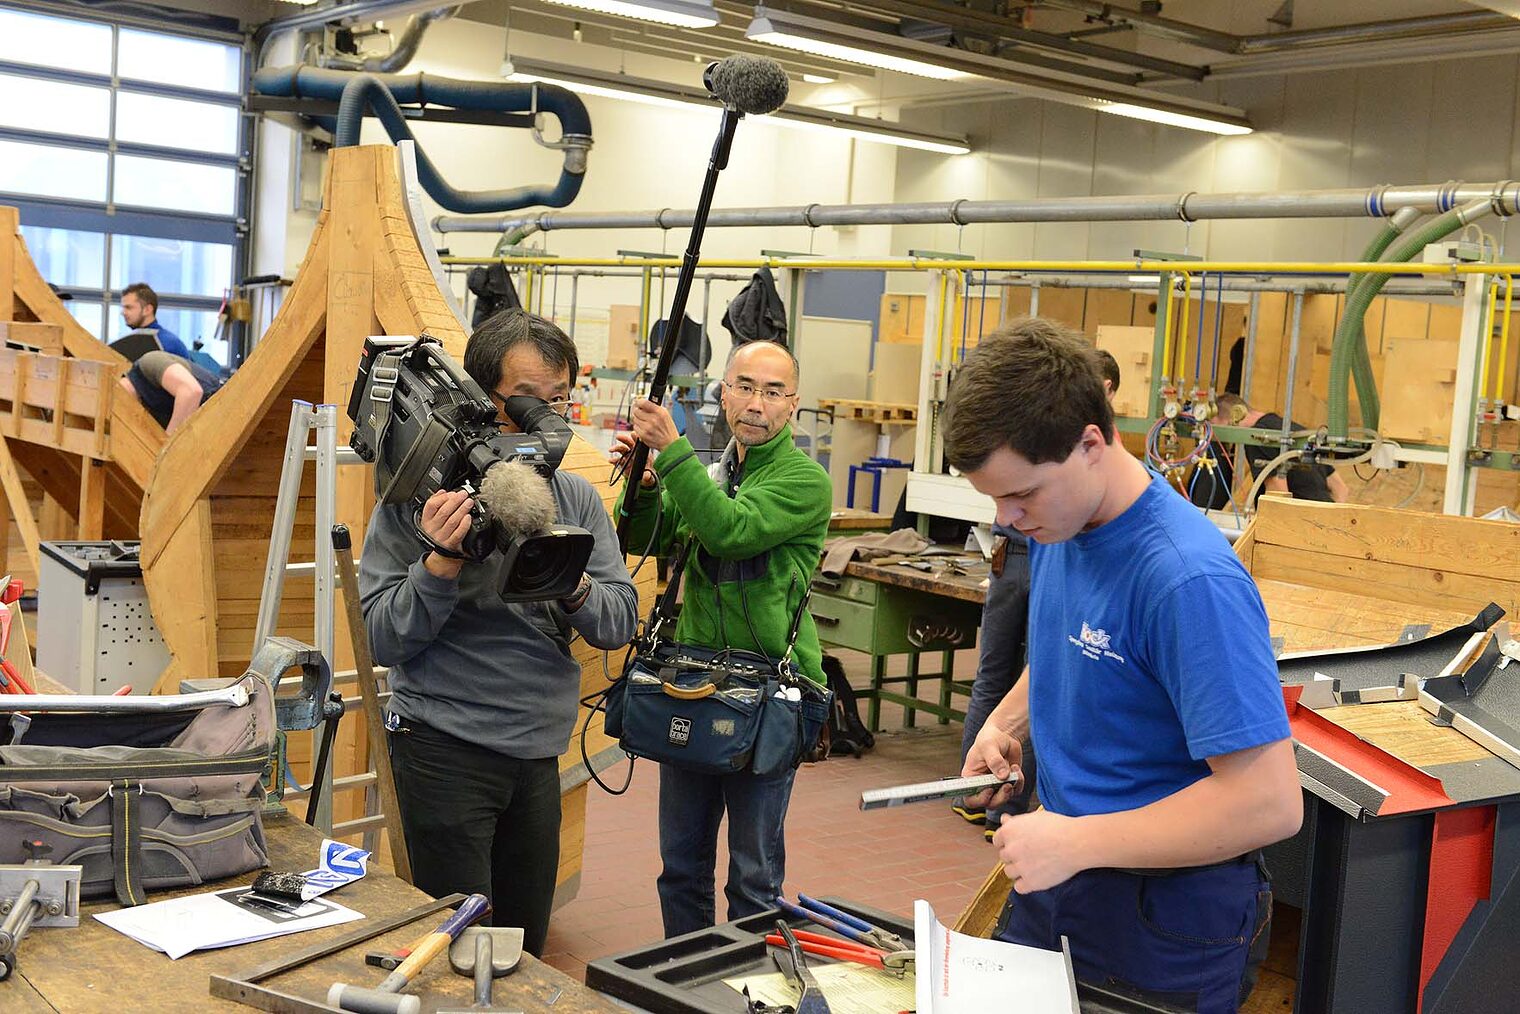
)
(477, 821)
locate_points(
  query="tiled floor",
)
(886, 858)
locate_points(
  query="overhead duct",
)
(356, 93)
(402, 51)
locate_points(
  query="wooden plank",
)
(1132, 348)
(1405, 730)
(1439, 542)
(92, 500)
(10, 229)
(1443, 589)
(1419, 384)
(190, 612)
(44, 337)
(20, 506)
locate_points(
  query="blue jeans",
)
(1187, 938)
(691, 807)
(1005, 625)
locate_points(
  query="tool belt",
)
(718, 711)
(156, 792)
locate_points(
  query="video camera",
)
(428, 426)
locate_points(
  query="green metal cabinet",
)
(883, 620)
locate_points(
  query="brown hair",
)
(1033, 386)
(1110, 367)
(143, 293)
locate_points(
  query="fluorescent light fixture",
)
(806, 35)
(1173, 119)
(679, 13)
(660, 93)
(819, 79)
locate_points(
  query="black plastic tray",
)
(684, 975)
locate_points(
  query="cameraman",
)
(758, 516)
(484, 692)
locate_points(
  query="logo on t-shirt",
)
(1095, 643)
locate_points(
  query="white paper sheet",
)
(959, 974)
(219, 919)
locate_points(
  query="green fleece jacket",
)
(755, 552)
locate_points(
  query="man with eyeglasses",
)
(758, 517)
(484, 692)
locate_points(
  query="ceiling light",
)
(679, 13)
(819, 79)
(1170, 118)
(660, 93)
(837, 42)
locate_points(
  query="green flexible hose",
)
(1350, 338)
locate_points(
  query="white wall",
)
(1415, 123)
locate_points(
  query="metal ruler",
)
(925, 792)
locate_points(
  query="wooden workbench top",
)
(968, 587)
(95, 969)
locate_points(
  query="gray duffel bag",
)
(167, 794)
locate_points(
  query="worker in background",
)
(1305, 482)
(139, 309)
(484, 692)
(1151, 689)
(170, 388)
(759, 516)
(1002, 643)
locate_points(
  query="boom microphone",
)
(751, 84)
(518, 497)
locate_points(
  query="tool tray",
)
(684, 975)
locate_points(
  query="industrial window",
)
(121, 145)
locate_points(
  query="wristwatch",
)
(578, 597)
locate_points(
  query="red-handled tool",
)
(846, 950)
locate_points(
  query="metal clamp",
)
(304, 710)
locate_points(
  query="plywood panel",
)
(1419, 383)
(1132, 348)
(1069, 306)
(1107, 306)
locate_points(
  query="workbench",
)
(883, 608)
(93, 968)
(1402, 908)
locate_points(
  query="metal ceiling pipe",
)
(402, 51)
(1377, 31)
(349, 13)
(1376, 202)
(1108, 13)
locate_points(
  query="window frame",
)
(112, 218)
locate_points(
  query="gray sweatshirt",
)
(494, 673)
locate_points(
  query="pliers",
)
(894, 962)
(848, 926)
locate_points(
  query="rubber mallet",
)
(387, 997)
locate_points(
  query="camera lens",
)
(537, 565)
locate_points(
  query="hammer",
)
(387, 998)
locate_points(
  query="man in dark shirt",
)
(1305, 482)
(139, 309)
(170, 387)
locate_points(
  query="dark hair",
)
(1110, 367)
(499, 333)
(143, 293)
(1033, 386)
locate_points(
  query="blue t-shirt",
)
(1148, 653)
(169, 341)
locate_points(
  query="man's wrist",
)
(442, 566)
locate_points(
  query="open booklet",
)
(960, 974)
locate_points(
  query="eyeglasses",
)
(744, 392)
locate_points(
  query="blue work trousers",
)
(1000, 660)
(692, 805)
(1189, 938)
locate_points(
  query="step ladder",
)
(331, 547)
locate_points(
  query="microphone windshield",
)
(751, 84)
(518, 497)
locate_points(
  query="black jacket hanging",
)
(757, 312)
(494, 292)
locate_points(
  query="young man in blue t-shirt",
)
(1151, 693)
